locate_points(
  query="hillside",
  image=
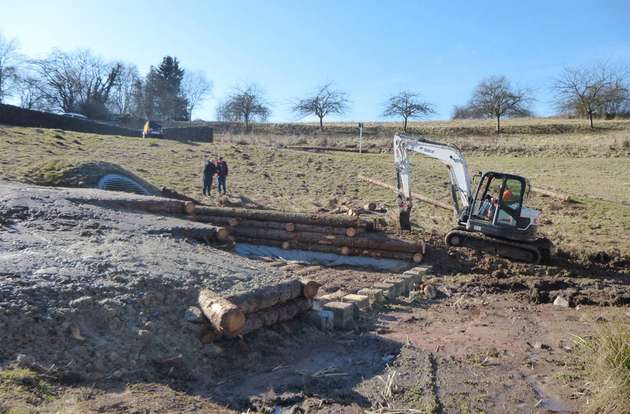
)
(588, 165)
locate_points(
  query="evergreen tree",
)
(163, 95)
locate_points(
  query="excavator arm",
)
(450, 155)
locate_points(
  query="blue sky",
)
(369, 49)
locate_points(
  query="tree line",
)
(81, 82)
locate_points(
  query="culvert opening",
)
(116, 182)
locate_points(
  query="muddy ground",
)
(94, 319)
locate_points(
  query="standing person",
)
(223, 173)
(208, 172)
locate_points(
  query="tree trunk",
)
(342, 251)
(280, 225)
(282, 216)
(405, 124)
(224, 315)
(365, 242)
(280, 313)
(321, 123)
(498, 124)
(590, 118)
(267, 296)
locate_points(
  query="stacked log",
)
(241, 314)
(342, 235)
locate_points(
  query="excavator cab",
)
(498, 208)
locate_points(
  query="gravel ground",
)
(99, 292)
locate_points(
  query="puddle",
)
(547, 401)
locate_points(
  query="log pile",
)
(344, 235)
(266, 306)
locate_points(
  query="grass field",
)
(591, 166)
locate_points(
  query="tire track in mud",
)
(435, 386)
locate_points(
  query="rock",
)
(194, 315)
(561, 301)
(540, 345)
(430, 292)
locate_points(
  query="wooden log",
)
(134, 202)
(267, 296)
(286, 245)
(280, 313)
(309, 288)
(226, 317)
(413, 195)
(549, 193)
(286, 217)
(189, 207)
(278, 225)
(368, 241)
(202, 232)
(371, 206)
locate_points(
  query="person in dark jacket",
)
(209, 170)
(222, 168)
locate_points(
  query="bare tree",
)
(590, 91)
(10, 60)
(122, 95)
(407, 105)
(77, 82)
(196, 88)
(31, 96)
(245, 104)
(324, 101)
(494, 97)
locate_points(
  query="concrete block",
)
(375, 296)
(389, 290)
(343, 313)
(421, 270)
(320, 301)
(321, 319)
(399, 286)
(413, 280)
(362, 301)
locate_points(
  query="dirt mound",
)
(108, 288)
(104, 175)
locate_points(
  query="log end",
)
(345, 250)
(417, 257)
(233, 322)
(233, 221)
(223, 233)
(290, 227)
(310, 288)
(351, 232)
(189, 207)
(286, 245)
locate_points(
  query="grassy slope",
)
(591, 166)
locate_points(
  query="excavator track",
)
(536, 252)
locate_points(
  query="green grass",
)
(299, 181)
(607, 359)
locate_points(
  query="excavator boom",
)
(450, 155)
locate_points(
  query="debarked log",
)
(416, 257)
(286, 217)
(267, 296)
(226, 317)
(279, 225)
(280, 313)
(371, 241)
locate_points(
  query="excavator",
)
(492, 218)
